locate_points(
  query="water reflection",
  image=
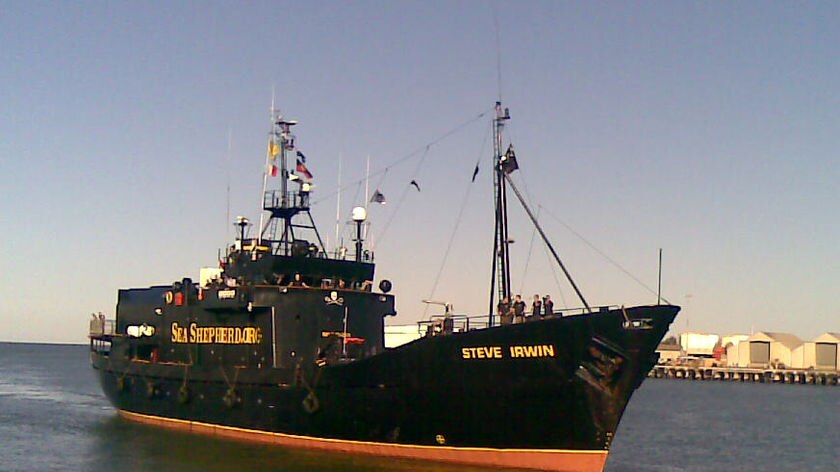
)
(138, 447)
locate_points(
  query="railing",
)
(276, 199)
(100, 333)
(443, 325)
(345, 255)
(100, 328)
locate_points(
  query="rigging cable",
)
(530, 248)
(524, 181)
(458, 220)
(592, 246)
(605, 256)
(545, 248)
(554, 274)
(410, 155)
(401, 199)
(545, 239)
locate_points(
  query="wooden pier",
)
(745, 374)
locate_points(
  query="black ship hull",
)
(545, 394)
(284, 343)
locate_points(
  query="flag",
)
(301, 156)
(303, 170)
(377, 197)
(508, 161)
(475, 173)
(416, 185)
(272, 170)
(273, 150)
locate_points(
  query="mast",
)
(501, 243)
(283, 205)
(659, 285)
(504, 164)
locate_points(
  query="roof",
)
(669, 347)
(788, 340)
(828, 338)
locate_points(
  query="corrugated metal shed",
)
(768, 349)
(826, 351)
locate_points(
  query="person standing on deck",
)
(548, 310)
(536, 308)
(505, 312)
(297, 281)
(518, 310)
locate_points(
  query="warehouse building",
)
(730, 345)
(819, 354)
(764, 349)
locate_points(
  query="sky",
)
(707, 129)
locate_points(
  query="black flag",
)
(414, 182)
(301, 156)
(508, 161)
(475, 172)
(377, 197)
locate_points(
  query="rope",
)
(401, 199)
(556, 278)
(408, 156)
(449, 246)
(612, 261)
(547, 243)
(530, 247)
(455, 229)
(608, 258)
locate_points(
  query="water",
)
(53, 417)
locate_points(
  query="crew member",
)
(548, 307)
(298, 282)
(536, 307)
(505, 312)
(518, 309)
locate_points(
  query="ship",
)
(283, 343)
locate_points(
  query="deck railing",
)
(100, 327)
(441, 324)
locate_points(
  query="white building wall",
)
(732, 355)
(809, 355)
(743, 354)
(804, 356)
(668, 356)
(698, 344)
(401, 334)
(779, 353)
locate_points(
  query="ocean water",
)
(53, 417)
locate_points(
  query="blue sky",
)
(708, 129)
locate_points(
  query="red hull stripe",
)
(540, 459)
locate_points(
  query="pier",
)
(743, 374)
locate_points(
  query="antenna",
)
(498, 52)
(367, 181)
(367, 193)
(272, 100)
(271, 142)
(659, 288)
(227, 209)
(338, 205)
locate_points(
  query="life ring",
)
(169, 297)
(151, 389)
(230, 398)
(310, 403)
(183, 394)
